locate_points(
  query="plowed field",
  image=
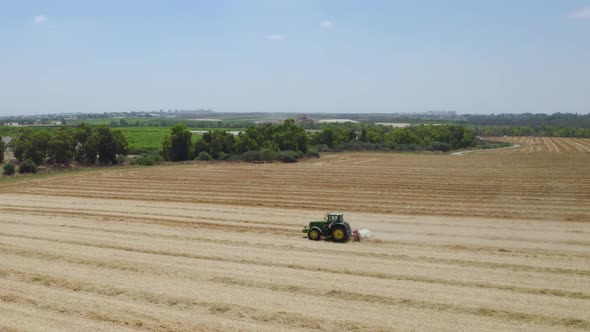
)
(490, 240)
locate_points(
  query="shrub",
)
(313, 152)
(223, 156)
(148, 159)
(323, 148)
(204, 156)
(440, 146)
(408, 147)
(145, 161)
(268, 155)
(496, 145)
(8, 169)
(289, 156)
(252, 156)
(121, 159)
(27, 166)
(261, 155)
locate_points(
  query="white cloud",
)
(581, 14)
(40, 19)
(326, 24)
(276, 37)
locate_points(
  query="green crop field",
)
(144, 138)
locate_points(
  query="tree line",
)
(286, 142)
(289, 142)
(83, 143)
(417, 137)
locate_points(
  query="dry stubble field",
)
(490, 240)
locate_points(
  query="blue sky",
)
(488, 56)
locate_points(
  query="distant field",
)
(144, 138)
(151, 138)
(139, 138)
(494, 240)
(546, 144)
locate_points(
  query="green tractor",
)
(333, 227)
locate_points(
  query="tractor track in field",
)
(462, 153)
(543, 211)
(316, 269)
(418, 259)
(256, 227)
(384, 244)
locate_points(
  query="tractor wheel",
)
(339, 234)
(314, 234)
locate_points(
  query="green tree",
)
(31, 145)
(245, 143)
(1, 150)
(403, 136)
(326, 136)
(333, 136)
(107, 145)
(120, 142)
(60, 148)
(203, 155)
(176, 146)
(85, 144)
(27, 166)
(363, 135)
(374, 136)
(290, 137)
(220, 143)
(440, 146)
(8, 169)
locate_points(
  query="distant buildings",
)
(432, 114)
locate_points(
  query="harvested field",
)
(491, 240)
(546, 144)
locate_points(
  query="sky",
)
(485, 56)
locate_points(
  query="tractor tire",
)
(314, 234)
(339, 234)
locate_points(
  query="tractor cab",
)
(332, 218)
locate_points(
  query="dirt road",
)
(494, 240)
